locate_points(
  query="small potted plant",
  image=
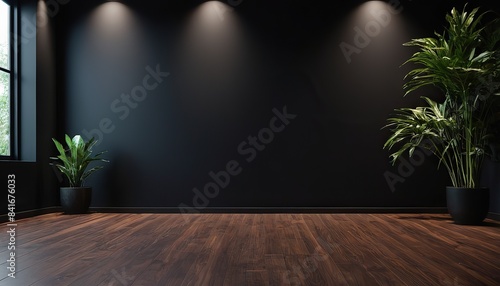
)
(73, 161)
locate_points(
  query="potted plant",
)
(464, 63)
(73, 161)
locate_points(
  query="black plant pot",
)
(468, 206)
(75, 200)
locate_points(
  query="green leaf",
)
(74, 161)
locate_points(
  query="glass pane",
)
(4, 114)
(4, 34)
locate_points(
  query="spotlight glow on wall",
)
(113, 17)
(372, 19)
(116, 33)
(112, 44)
(212, 53)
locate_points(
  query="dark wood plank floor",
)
(252, 249)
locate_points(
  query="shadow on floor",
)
(487, 222)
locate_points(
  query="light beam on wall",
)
(113, 23)
(366, 11)
(361, 60)
(213, 50)
(114, 35)
(376, 29)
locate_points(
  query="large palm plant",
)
(464, 63)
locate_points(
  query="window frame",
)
(13, 81)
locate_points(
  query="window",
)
(6, 79)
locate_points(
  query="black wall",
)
(35, 181)
(232, 67)
(47, 107)
(229, 67)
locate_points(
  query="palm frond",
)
(460, 61)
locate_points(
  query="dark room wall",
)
(47, 108)
(35, 181)
(246, 103)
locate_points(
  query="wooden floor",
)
(252, 249)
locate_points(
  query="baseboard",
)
(36, 212)
(271, 210)
(31, 213)
(494, 216)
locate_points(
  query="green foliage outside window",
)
(4, 80)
